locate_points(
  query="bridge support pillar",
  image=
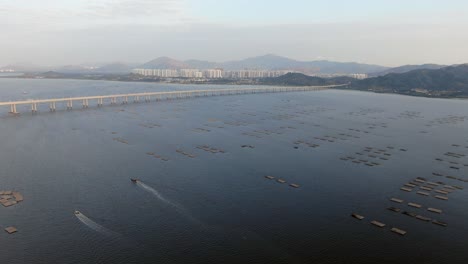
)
(13, 109)
(52, 107)
(34, 108)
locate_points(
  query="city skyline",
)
(389, 33)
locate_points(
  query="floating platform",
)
(423, 218)
(440, 197)
(406, 189)
(437, 222)
(357, 216)
(18, 196)
(398, 231)
(414, 205)
(396, 200)
(425, 188)
(434, 210)
(269, 177)
(423, 193)
(409, 214)
(378, 224)
(294, 185)
(11, 230)
(394, 209)
(281, 181)
(441, 192)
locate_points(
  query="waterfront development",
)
(328, 176)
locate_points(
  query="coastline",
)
(254, 82)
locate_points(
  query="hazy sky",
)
(387, 32)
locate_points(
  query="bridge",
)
(149, 96)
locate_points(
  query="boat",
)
(134, 180)
(77, 212)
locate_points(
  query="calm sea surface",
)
(217, 207)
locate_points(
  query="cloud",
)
(94, 13)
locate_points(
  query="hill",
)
(407, 68)
(165, 63)
(445, 82)
(299, 79)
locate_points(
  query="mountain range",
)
(451, 81)
(407, 68)
(268, 62)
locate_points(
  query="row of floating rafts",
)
(348, 136)
(380, 224)
(357, 161)
(210, 149)
(451, 162)
(452, 178)
(425, 190)
(294, 185)
(325, 139)
(185, 153)
(358, 130)
(309, 144)
(417, 216)
(157, 156)
(9, 198)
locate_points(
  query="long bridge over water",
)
(101, 100)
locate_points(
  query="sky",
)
(384, 32)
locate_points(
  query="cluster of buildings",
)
(209, 73)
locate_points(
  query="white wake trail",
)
(178, 207)
(95, 226)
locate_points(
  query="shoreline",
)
(227, 82)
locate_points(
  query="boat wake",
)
(95, 226)
(176, 206)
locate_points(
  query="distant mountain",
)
(445, 82)
(116, 67)
(407, 68)
(274, 62)
(165, 63)
(268, 62)
(200, 64)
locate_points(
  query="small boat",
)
(134, 180)
(77, 212)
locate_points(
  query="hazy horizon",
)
(388, 33)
